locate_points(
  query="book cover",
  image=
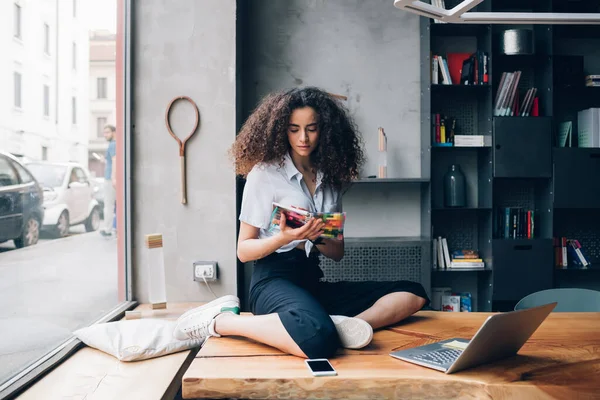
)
(297, 217)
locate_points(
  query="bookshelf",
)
(523, 167)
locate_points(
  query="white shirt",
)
(268, 183)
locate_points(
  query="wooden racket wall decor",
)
(182, 143)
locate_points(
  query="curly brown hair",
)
(263, 137)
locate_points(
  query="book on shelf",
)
(514, 223)
(592, 80)
(464, 69)
(458, 259)
(507, 102)
(472, 140)
(588, 122)
(296, 217)
(443, 129)
(564, 134)
(569, 254)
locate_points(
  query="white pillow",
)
(138, 339)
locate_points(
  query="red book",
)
(535, 110)
(455, 62)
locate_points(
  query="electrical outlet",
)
(206, 269)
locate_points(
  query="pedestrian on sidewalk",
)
(110, 181)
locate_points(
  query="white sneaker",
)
(354, 333)
(199, 323)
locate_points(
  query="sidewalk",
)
(49, 290)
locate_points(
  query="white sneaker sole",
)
(214, 303)
(354, 333)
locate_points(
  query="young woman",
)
(299, 148)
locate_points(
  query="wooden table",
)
(560, 361)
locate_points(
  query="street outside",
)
(50, 290)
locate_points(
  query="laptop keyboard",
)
(439, 357)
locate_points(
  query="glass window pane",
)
(102, 88)
(74, 109)
(8, 176)
(46, 101)
(100, 125)
(24, 175)
(46, 39)
(62, 256)
(74, 55)
(17, 21)
(18, 93)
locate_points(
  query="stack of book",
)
(592, 80)
(458, 259)
(466, 259)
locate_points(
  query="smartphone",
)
(320, 367)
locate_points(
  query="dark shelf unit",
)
(523, 167)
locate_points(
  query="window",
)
(50, 122)
(74, 110)
(81, 176)
(8, 176)
(18, 94)
(74, 55)
(46, 101)
(101, 83)
(23, 174)
(46, 38)
(100, 124)
(17, 21)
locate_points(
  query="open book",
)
(296, 217)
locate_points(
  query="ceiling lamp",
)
(461, 14)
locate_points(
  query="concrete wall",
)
(367, 51)
(184, 47)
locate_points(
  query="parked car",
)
(68, 197)
(99, 194)
(21, 198)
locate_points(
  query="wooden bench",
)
(561, 360)
(92, 375)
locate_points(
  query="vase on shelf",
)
(454, 187)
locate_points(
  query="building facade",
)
(44, 111)
(102, 84)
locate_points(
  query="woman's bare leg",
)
(266, 329)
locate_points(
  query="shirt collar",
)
(291, 171)
(288, 165)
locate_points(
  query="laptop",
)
(501, 335)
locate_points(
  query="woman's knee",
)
(315, 334)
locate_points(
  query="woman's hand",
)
(311, 230)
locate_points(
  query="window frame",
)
(33, 372)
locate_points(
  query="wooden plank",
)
(93, 375)
(369, 376)
(559, 361)
(384, 341)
